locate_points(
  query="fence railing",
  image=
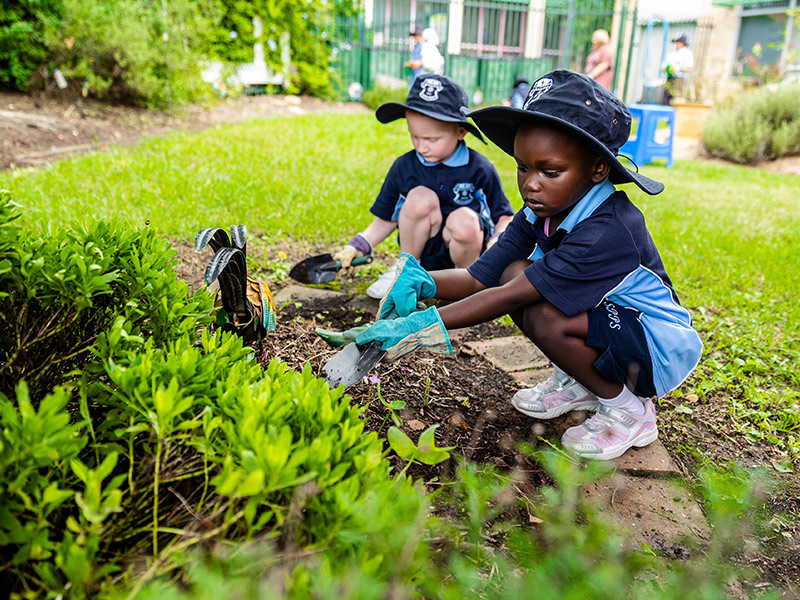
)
(486, 43)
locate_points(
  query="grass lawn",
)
(728, 235)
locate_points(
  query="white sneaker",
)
(612, 431)
(559, 394)
(381, 286)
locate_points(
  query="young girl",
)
(576, 269)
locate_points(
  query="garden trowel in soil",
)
(322, 268)
(352, 363)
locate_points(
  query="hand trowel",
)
(322, 268)
(352, 363)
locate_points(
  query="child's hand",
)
(358, 246)
(401, 336)
(346, 256)
(411, 283)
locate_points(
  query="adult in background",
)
(415, 63)
(678, 67)
(432, 59)
(600, 62)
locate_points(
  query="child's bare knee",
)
(542, 321)
(420, 202)
(463, 225)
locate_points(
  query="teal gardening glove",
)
(398, 337)
(411, 283)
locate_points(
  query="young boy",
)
(576, 269)
(444, 199)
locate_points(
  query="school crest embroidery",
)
(542, 86)
(464, 193)
(430, 90)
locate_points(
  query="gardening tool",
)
(242, 304)
(352, 363)
(321, 268)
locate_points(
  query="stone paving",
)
(643, 497)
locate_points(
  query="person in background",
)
(600, 62)
(415, 63)
(518, 93)
(677, 67)
(444, 199)
(432, 59)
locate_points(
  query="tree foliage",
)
(22, 38)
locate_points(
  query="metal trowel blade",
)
(352, 363)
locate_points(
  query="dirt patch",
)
(468, 398)
(38, 129)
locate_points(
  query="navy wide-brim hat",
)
(577, 104)
(434, 96)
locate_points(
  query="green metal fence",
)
(492, 45)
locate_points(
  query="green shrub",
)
(136, 438)
(60, 292)
(476, 548)
(381, 94)
(307, 22)
(22, 40)
(143, 52)
(763, 124)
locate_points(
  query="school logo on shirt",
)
(464, 193)
(542, 86)
(430, 90)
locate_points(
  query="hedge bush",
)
(127, 434)
(380, 94)
(22, 38)
(763, 124)
(134, 52)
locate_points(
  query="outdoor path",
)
(643, 497)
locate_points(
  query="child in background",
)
(444, 199)
(576, 269)
(414, 64)
(518, 93)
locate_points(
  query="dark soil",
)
(468, 398)
(463, 394)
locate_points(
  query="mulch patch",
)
(469, 399)
(464, 394)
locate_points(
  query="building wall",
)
(722, 47)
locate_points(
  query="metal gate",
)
(498, 40)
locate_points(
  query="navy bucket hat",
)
(574, 103)
(434, 96)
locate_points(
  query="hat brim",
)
(500, 124)
(391, 111)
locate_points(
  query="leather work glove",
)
(358, 246)
(411, 283)
(398, 337)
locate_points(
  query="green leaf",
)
(400, 443)
(252, 484)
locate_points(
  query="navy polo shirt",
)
(602, 250)
(465, 179)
